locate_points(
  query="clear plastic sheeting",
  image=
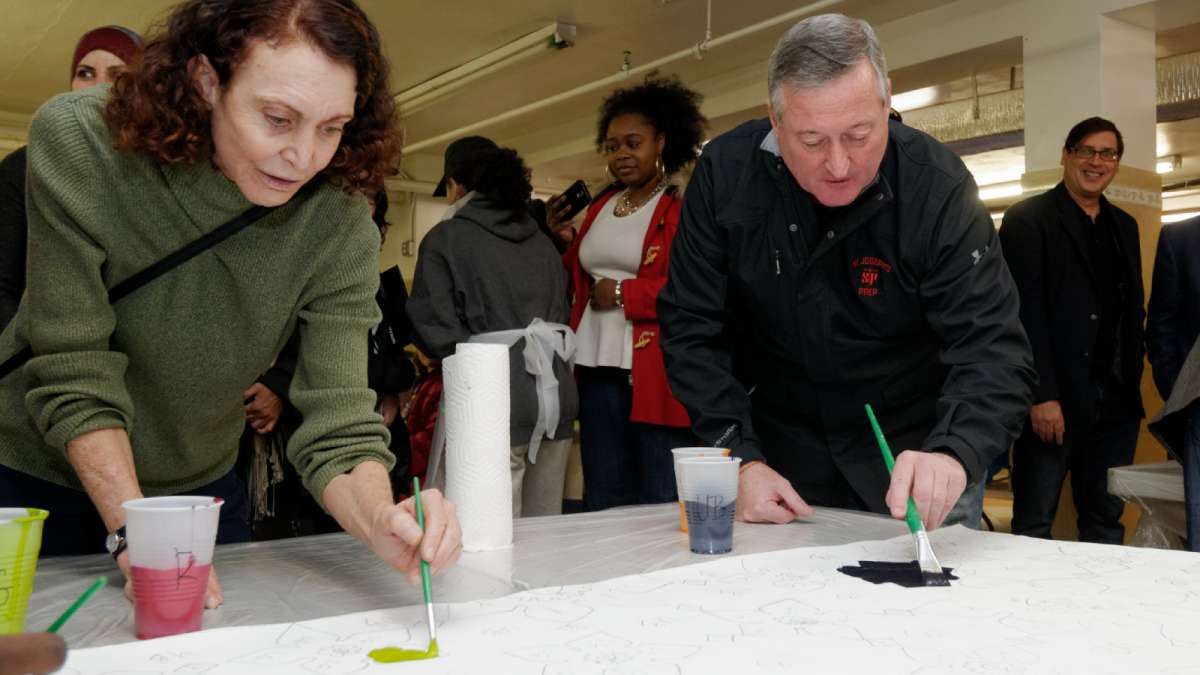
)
(1157, 489)
(311, 577)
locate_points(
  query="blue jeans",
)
(1038, 470)
(1191, 477)
(624, 462)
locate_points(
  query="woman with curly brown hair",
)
(270, 111)
(628, 419)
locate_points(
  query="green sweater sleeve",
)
(341, 428)
(76, 383)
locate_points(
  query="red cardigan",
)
(653, 402)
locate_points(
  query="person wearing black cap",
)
(100, 56)
(486, 273)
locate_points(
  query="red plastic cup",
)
(171, 542)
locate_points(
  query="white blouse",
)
(611, 249)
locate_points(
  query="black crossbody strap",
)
(159, 268)
(191, 250)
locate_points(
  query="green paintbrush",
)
(396, 654)
(426, 582)
(931, 569)
(62, 619)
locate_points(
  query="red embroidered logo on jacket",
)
(870, 268)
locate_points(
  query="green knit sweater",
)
(169, 363)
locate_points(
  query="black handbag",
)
(159, 268)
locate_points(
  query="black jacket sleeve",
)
(13, 234)
(693, 314)
(1164, 345)
(391, 372)
(971, 301)
(1025, 252)
(279, 377)
(389, 369)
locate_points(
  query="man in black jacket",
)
(1077, 263)
(828, 258)
(1173, 323)
(1172, 340)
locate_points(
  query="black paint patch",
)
(905, 574)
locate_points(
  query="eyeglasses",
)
(1088, 152)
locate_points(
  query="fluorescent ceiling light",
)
(1167, 164)
(1177, 217)
(917, 98)
(554, 37)
(985, 177)
(1000, 191)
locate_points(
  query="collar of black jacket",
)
(844, 219)
(1068, 205)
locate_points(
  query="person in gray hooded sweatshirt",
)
(488, 273)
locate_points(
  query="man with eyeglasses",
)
(1077, 263)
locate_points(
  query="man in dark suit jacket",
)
(1172, 332)
(1077, 263)
(1174, 320)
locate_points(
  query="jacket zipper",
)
(778, 271)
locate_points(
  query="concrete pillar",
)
(1079, 63)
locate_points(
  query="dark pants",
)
(1191, 477)
(1088, 452)
(624, 462)
(74, 526)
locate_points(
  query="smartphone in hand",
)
(577, 197)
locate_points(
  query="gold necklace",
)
(625, 205)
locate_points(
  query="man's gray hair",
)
(820, 49)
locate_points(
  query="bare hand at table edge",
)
(764, 496)
(214, 597)
(934, 479)
(264, 408)
(604, 294)
(103, 461)
(36, 653)
(1047, 421)
(395, 535)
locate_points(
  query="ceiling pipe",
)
(554, 36)
(399, 185)
(689, 52)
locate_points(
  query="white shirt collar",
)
(457, 206)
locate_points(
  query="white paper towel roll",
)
(475, 394)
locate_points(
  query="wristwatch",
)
(619, 297)
(116, 542)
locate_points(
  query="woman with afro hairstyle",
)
(487, 273)
(628, 419)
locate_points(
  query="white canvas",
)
(1022, 606)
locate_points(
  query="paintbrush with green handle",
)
(397, 654)
(931, 569)
(426, 582)
(62, 619)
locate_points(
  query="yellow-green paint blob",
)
(396, 654)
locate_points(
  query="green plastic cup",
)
(20, 542)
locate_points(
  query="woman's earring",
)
(660, 167)
(609, 174)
